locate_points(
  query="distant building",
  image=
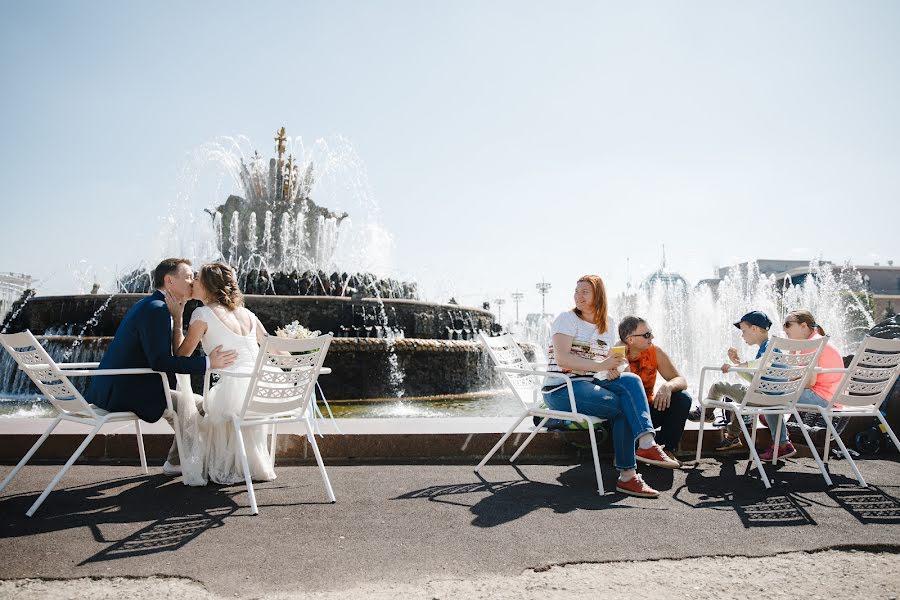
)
(882, 282)
(11, 287)
(766, 267)
(666, 278)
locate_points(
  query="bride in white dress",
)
(209, 444)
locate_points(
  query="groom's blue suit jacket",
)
(143, 339)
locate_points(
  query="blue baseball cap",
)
(755, 317)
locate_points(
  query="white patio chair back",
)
(281, 388)
(774, 391)
(43, 371)
(870, 375)
(284, 379)
(865, 385)
(52, 379)
(525, 381)
(506, 352)
(783, 371)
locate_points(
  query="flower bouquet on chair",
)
(295, 331)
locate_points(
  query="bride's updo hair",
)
(221, 285)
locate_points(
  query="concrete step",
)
(448, 440)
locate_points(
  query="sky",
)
(504, 143)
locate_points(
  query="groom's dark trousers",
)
(143, 339)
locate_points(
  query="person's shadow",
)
(509, 500)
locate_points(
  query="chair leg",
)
(755, 428)
(837, 438)
(310, 436)
(700, 433)
(812, 448)
(753, 454)
(140, 443)
(69, 463)
(527, 441)
(273, 445)
(596, 459)
(827, 446)
(499, 444)
(245, 465)
(176, 425)
(776, 437)
(30, 453)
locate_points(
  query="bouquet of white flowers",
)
(295, 331)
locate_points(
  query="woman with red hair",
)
(581, 339)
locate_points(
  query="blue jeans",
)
(622, 401)
(806, 397)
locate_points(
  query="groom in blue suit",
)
(144, 339)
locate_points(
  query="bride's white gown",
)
(210, 446)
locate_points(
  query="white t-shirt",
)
(587, 342)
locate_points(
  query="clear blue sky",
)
(504, 141)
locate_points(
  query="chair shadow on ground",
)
(869, 506)
(499, 502)
(170, 514)
(176, 514)
(734, 485)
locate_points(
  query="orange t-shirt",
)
(645, 367)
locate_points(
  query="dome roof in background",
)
(664, 277)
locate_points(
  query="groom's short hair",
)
(166, 267)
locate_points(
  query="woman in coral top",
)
(670, 403)
(801, 325)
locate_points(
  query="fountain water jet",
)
(402, 349)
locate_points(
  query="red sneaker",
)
(655, 455)
(785, 451)
(636, 487)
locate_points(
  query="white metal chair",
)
(866, 383)
(52, 379)
(526, 380)
(281, 388)
(774, 390)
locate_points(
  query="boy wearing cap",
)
(754, 328)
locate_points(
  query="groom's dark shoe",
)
(171, 470)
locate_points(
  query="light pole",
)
(517, 297)
(543, 287)
(500, 302)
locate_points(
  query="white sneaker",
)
(171, 470)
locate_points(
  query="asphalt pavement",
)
(413, 523)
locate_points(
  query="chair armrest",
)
(532, 372)
(325, 371)
(91, 373)
(730, 370)
(742, 370)
(87, 365)
(221, 373)
(820, 370)
(710, 369)
(567, 379)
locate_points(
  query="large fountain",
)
(389, 343)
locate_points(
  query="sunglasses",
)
(646, 336)
(787, 324)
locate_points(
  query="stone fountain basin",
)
(362, 368)
(418, 319)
